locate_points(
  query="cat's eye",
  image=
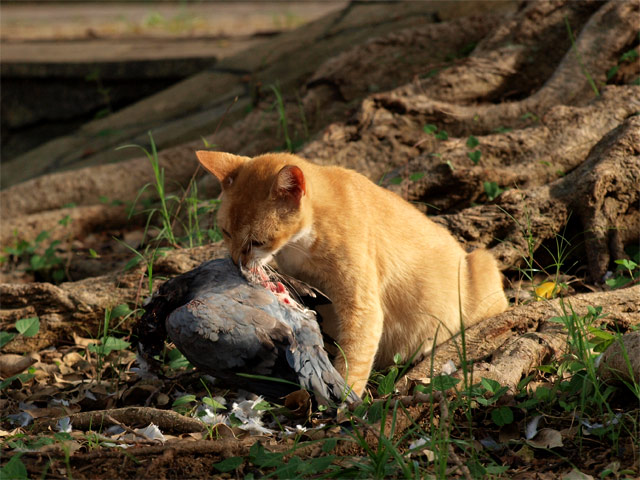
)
(257, 244)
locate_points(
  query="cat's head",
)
(264, 203)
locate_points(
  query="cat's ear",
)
(289, 184)
(222, 165)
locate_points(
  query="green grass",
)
(585, 72)
(282, 114)
(159, 185)
(393, 443)
(293, 141)
(184, 221)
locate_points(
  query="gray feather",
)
(225, 325)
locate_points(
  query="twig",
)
(165, 419)
(130, 430)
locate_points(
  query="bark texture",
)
(509, 346)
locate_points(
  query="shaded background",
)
(66, 63)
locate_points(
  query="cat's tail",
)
(485, 295)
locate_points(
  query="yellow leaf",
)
(547, 290)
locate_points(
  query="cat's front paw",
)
(356, 379)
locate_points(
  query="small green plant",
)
(196, 209)
(551, 284)
(282, 117)
(474, 156)
(21, 377)
(27, 327)
(42, 257)
(580, 361)
(14, 469)
(105, 93)
(530, 116)
(169, 210)
(176, 360)
(433, 130)
(492, 190)
(109, 343)
(414, 177)
(629, 56)
(292, 142)
(559, 254)
(626, 272)
(184, 404)
(464, 52)
(585, 72)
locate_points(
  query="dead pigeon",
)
(225, 326)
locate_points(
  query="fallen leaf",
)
(9, 433)
(12, 364)
(69, 446)
(547, 290)
(577, 475)
(84, 342)
(53, 412)
(416, 449)
(298, 403)
(546, 438)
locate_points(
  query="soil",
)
(514, 125)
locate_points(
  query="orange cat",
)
(392, 274)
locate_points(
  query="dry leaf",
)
(546, 438)
(298, 403)
(12, 364)
(577, 475)
(84, 342)
(9, 433)
(547, 289)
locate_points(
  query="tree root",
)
(602, 192)
(166, 420)
(80, 222)
(518, 159)
(508, 346)
(79, 306)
